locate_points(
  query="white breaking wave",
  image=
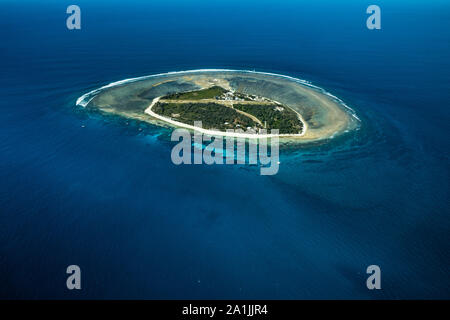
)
(87, 97)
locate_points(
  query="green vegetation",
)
(221, 117)
(210, 93)
(274, 117)
(212, 115)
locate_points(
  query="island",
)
(245, 103)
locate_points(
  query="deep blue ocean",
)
(79, 187)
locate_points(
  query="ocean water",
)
(78, 187)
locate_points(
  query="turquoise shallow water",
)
(107, 197)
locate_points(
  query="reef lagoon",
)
(324, 115)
